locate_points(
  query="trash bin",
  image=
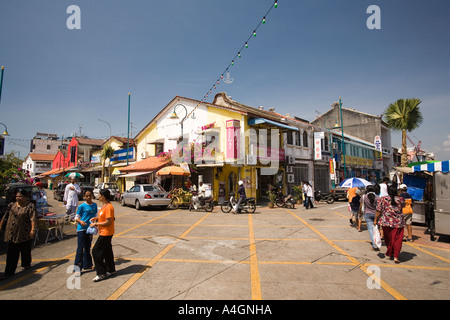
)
(50, 186)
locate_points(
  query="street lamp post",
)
(5, 133)
(109, 129)
(175, 117)
(2, 140)
(343, 141)
(336, 126)
(128, 132)
(1, 83)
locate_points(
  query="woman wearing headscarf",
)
(20, 219)
(242, 197)
(389, 216)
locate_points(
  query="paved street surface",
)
(273, 254)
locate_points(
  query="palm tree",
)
(404, 115)
(107, 153)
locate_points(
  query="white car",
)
(146, 195)
(112, 186)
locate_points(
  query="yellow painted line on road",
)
(254, 270)
(54, 262)
(361, 266)
(143, 224)
(70, 256)
(120, 291)
(428, 252)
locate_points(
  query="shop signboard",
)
(233, 137)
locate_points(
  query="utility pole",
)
(343, 143)
(128, 132)
(1, 83)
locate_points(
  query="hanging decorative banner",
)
(229, 80)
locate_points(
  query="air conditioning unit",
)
(290, 178)
(144, 154)
(250, 159)
(289, 169)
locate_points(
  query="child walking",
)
(85, 213)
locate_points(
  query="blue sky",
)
(307, 55)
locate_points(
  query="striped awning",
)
(443, 166)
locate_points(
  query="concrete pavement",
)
(273, 254)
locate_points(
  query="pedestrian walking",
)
(19, 225)
(71, 193)
(86, 211)
(102, 251)
(407, 212)
(355, 205)
(351, 192)
(369, 208)
(384, 187)
(390, 217)
(309, 195)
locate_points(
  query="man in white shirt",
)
(201, 190)
(384, 187)
(71, 197)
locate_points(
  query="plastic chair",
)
(43, 225)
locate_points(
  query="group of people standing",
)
(388, 207)
(20, 221)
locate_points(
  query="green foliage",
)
(272, 195)
(11, 171)
(404, 114)
(298, 192)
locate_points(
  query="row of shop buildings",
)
(225, 141)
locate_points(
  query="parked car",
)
(58, 194)
(340, 193)
(37, 195)
(146, 195)
(85, 186)
(112, 186)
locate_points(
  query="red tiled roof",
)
(41, 157)
(149, 164)
(55, 171)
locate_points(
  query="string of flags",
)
(238, 55)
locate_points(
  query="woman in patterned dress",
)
(20, 219)
(389, 216)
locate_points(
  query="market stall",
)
(437, 194)
(174, 181)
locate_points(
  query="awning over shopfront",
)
(134, 174)
(255, 121)
(147, 165)
(443, 166)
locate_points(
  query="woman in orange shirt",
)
(102, 252)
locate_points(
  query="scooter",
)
(285, 201)
(201, 203)
(248, 205)
(328, 197)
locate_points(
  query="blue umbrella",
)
(355, 182)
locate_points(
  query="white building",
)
(37, 163)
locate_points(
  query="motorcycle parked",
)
(320, 196)
(285, 201)
(248, 205)
(201, 203)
